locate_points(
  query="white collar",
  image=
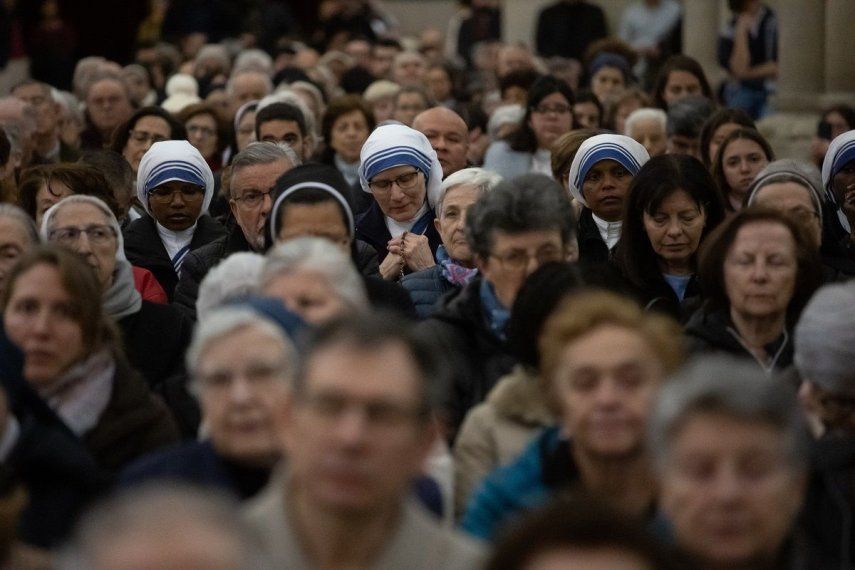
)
(397, 228)
(609, 231)
(174, 241)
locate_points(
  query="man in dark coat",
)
(513, 230)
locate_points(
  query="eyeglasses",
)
(97, 234)
(165, 195)
(144, 137)
(405, 181)
(252, 198)
(201, 129)
(557, 109)
(518, 260)
(379, 415)
(255, 375)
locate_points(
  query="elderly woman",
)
(742, 154)
(672, 207)
(86, 225)
(146, 126)
(649, 127)
(17, 235)
(242, 366)
(175, 186)
(401, 170)
(731, 454)
(795, 188)
(206, 132)
(456, 264)
(314, 279)
(345, 127)
(838, 180)
(53, 312)
(599, 180)
(588, 347)
(233, 279)
(548, 115)
(757, 271)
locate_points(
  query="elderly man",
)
(448, 136)
(456, 266)
(108, 105)
(408, 69)
(512, 230)
(242, 367)
(731, 452)
(48, 146)
(254, 174)
(357, 432)
(245, 86)
(19, 120)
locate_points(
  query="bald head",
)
(448, 135)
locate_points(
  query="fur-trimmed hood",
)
(519, 396)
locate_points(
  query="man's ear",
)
(437, 225)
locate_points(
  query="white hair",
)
(645, 114)
(503, 115)
(224, 322)
(253, 60)
(230, 84)
(321, 256)
(233, 278)
(213, 51)
(380, 89)
(483, 180)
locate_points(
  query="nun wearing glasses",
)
(175, 186)
(401, 170)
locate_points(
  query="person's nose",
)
(240, 390)
(266, 204)
(352, 427)
(674, 229)
(42, 322)
(606, 395)
(177, 200)
(727, 485)
(760, 271)
(83, 246)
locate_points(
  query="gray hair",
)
(159, 511)
(225, 321)
(503, 115)
(380, 89)
(70, 105)
(825, 339)
(735, 389)
(230, 84)
(687, 116)
(213, 51)
(645, 114)
(802, 173)
(263, 153)
(236, 277)
(253, 60)
(482, 180)
(320, 255)
(531, 202)
(12, 212)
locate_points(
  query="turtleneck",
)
(174, 241)
(609, 231)
(350, 170)
(397, 228)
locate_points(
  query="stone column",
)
(839, 50)
(801, 51)
(700, 35)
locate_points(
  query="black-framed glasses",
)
(406, 181)
(517, 260)
(165, 195)
(98, 234)
(253, 198)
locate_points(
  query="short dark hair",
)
(687, 116)
(719, 242)
(718, 166)
(123, 131)
(531, 202)
(679, 62)
(336, 109)
(659, 178)
(522, 78)
(574, 522)
(80, 179)
(116, 170)
(371, 331)
(224, 131)
(717, 119)
(523, 139)
(587, 96)
(280, 112)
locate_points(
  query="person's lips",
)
(178, 218)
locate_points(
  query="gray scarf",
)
(122, 298)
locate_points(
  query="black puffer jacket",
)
(425, 288)
(476, 356)
(592, 249)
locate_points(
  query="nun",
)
(175, 186)
(838, 181)
(401, 171)
(600, 175)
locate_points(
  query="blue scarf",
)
(452, 271)
(496, 314)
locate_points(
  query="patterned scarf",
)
(452, 271)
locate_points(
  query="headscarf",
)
(785, 170)
(609, 59)
(166, 161)
(840, 152)
(122, 298)
(316, 176)
(394, 145)
(622, 149)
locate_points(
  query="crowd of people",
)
(343, 298)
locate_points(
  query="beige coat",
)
(496, 431)
(418, 543)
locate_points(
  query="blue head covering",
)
(166, 161)
(840, 152)
(625, 151)
(608, 59)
